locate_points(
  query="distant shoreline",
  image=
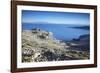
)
(82, 27)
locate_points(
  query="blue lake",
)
(60, 31)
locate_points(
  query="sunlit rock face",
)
(40, 46)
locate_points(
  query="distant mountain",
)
(40, 23)
(82, 27)
(67, 25)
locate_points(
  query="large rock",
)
(42, 44)
(39, 45)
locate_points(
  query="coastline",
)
(39, 45)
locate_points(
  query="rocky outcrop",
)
(39, 45)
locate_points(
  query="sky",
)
(29, 16)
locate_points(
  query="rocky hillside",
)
(39, 45)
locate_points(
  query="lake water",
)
(60, 31)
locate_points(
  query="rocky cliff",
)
(39, 45)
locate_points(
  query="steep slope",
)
(39, 45)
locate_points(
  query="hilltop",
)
(39, 45)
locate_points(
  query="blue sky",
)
(55, 17)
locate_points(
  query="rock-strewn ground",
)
(39, 46)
